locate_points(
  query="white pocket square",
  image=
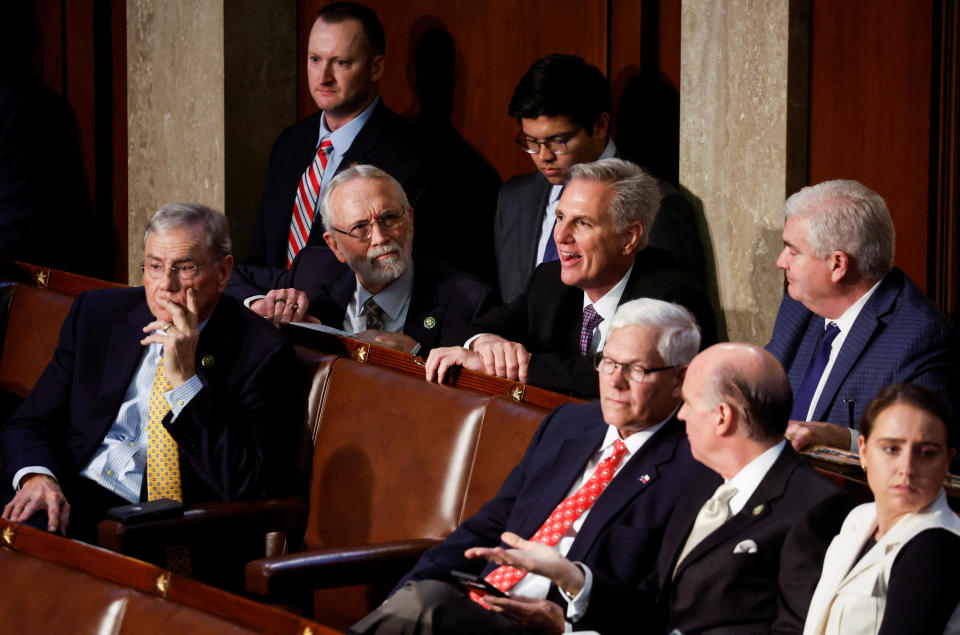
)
(745, 546)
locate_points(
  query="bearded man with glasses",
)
(385, 294)
(169, 390)
(597, 484)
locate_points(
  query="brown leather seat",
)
(54, 585)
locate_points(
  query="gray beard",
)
(387, 271)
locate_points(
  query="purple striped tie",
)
(590, 321)
(305, 205)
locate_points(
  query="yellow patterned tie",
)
(163, 464)
(163, 456)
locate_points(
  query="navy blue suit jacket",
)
(385, 141)
(452, 298)
(623, 530)
(546, 318)
(519, 219)
(899, 336)
(235, 435)
(790, 518)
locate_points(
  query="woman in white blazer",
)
(894, 566)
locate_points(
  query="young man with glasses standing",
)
(169, 390)
(597, 483)
(563, 107)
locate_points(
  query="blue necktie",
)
(550, 252)
(801, 400)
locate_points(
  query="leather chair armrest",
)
(205, 521)
(288, 577)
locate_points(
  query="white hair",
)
(847, 216)
(679, 334)
(636, 197)
(357, 172)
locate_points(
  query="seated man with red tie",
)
(598, 483)
(546, 336)
(170, 390)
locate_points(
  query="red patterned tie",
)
(563, 516)
(305, 205)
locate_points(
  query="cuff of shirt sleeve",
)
(577, 607)
(180, 396)
(470, 341)
(30, 469)
(248, 301)
(854, 434)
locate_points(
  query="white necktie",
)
(712, 515)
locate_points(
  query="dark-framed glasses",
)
(557, 144)
(388, 221)
(633, 371)
(157, 270)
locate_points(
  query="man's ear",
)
(725, 423)
(839, 265)
(602, 125)
(631, 238)
(334, 246)
(376, 68)
(223, 272)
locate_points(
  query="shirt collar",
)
(607, 305)
(635, 441)
(342, 137)
(393, 298)
(748, 479)
(845, 321)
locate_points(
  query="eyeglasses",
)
(557, 144)
(155, 270)
(633, 371)
(388, 221)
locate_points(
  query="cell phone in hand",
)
(142, 512)
(477, 583)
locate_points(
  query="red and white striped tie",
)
(305, 205)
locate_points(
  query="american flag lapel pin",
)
(644, 479)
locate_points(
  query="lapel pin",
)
(429, 321)
(645, 479)
(206, 361)
(758, 510)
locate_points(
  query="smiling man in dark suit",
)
(169, 390)
(851, 322)
(631, 438)
(345, 62)
(547, 334)
(563, 107)
(742, 551)
(367, 281)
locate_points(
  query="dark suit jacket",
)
(623, 530)
(547, 316)
(452, 298)
(235, 435)
(519, 218)
(900, 335)
(791, 518)
(385, 141)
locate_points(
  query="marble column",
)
(210, 84)
(743, 108)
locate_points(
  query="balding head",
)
(751, 381)
(736, 403)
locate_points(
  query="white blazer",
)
(850, 601)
